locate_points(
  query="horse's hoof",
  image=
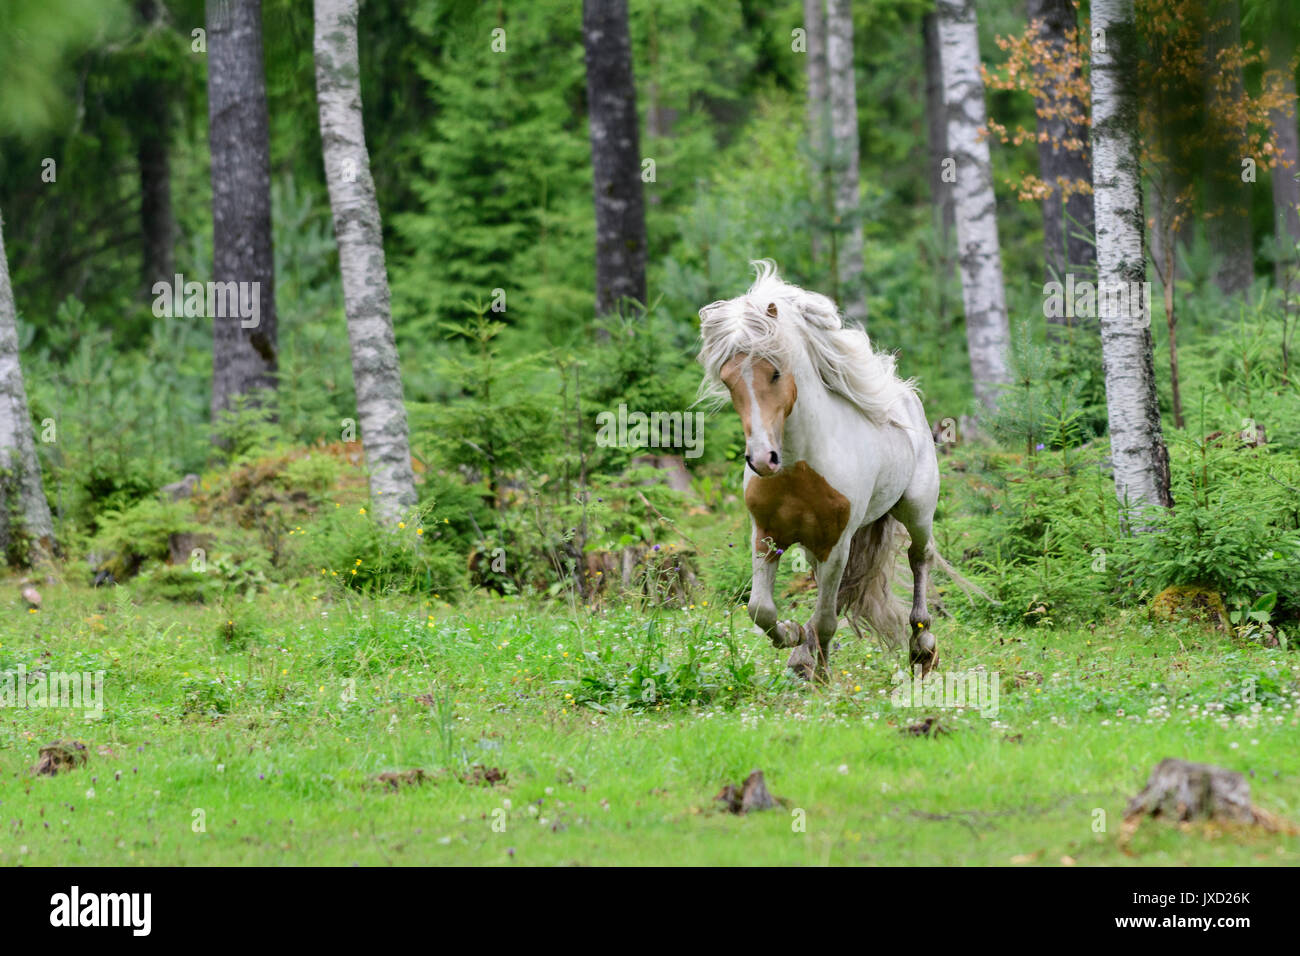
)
(812, 642)
(924, 651)
(802, 663)
(786, 634)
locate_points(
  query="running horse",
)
(838, 454)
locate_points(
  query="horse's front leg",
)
(762, 603)
(811, 658)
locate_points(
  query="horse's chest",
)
(797, 506)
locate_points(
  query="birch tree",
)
(615, 156)
(376, 372)
(244, 355)
(22, 496)
(1138, 454)
(943, 213)
(936, 128)
(814, 24)
(988, 335)
(842, 87)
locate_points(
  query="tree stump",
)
(60, 756)
(751, 796)
(1183, 792)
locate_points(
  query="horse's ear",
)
(771, 309)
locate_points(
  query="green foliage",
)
(755, 206)
(647, 364)
(1044, 405)
(350, 550)
(502, 181)
(1041, 544)
(315, 389)
(501, 423)
(247, 427)
(36, 38)
(647, 677)
(140, 533)
(1234, 527)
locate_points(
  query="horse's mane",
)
(804, 322)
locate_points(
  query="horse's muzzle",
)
(765, 465)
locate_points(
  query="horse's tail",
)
(866, 589)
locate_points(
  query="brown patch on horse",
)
(776, 392)
(797, 506)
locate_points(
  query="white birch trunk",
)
(844, 136)
(1138, 454)
(988, 336)
(376, 373)
(814, 24)
(22, 496)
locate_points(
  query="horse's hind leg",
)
(917, 517)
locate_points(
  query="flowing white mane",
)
(781, 322)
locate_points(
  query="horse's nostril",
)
(775, 459)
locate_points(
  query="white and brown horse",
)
(837, 453)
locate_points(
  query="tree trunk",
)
(943, 214)
(988, 336)
(1138, 454)
(842, 84)
(1068, 243)
(814, 24)
(375, 368)
(243, 349)
(936, 120)
(22, 496)
(1286, 188)
(156, 229)
(153, 146)
(1227, 197)
(615, 156)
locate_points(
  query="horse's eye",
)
(776, 374)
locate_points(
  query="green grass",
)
(238, 712)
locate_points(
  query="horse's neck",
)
(816, 416)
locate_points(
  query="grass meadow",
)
(259, 733)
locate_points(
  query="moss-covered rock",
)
(1186, 602)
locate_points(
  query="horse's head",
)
(752, 346)
(763, 395)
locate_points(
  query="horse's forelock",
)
(783, 323)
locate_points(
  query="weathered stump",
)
(1183, 792)
(753, 795)
(60, 756)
